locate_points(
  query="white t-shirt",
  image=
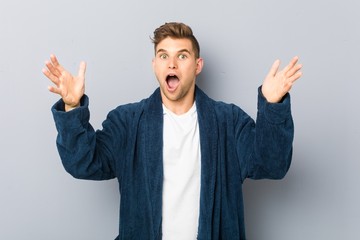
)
(181, 193)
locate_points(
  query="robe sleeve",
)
(84, 153)
(265, 147)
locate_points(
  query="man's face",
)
(176, 68)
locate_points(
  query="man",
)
(180, 157)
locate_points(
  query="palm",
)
(70, 88)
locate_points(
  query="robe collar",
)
(209, 151)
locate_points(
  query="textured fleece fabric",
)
(130, 148)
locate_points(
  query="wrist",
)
(271, 98)
(71, 107)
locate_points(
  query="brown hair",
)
(177, 31)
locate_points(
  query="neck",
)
(180, 106)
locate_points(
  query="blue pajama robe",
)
(130, 148)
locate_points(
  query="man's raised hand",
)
(70, 88)
(278, 83)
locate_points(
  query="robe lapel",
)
(209, 155)
(154, 156)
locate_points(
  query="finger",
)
(54, 90)
(56, 63)
(274, 68)
(54, 60)
(54, 71)
(51, 77)
(82, 70)
(291, 64)
(295, 77)
(294, 70)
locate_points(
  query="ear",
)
(199, 65)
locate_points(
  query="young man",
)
(180, 157)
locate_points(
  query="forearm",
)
(76, 142)
(264, 148)
(274, 135)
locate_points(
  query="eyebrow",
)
(180, 51)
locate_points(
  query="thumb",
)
(82, 70)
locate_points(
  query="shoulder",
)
(221, 109)
(135, 109)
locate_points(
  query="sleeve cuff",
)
(71, 119)
(275, 113)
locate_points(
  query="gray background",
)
(318, 199)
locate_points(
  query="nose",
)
(172, 63)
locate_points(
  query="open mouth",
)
(172, 81)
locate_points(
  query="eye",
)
(182, 56)
(163, 56)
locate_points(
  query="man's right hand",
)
(70, 88)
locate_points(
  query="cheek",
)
(158, 66)
(158, 74)
(156, 69)
(154, 65)
(187, 68)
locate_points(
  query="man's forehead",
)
(174, 45)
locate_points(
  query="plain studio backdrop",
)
(318, 199)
